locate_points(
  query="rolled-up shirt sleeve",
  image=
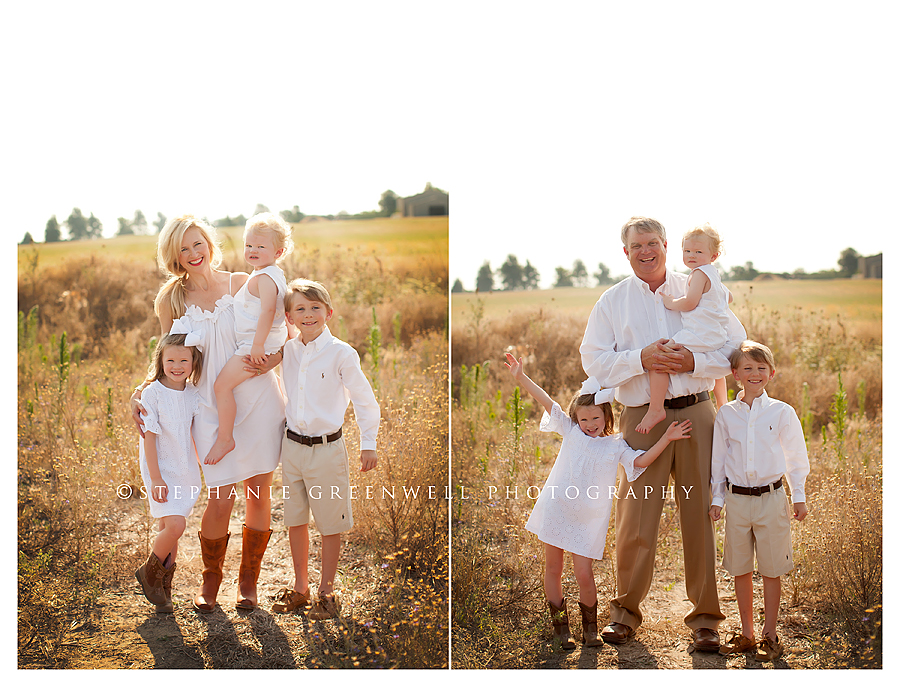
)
(796, 458)
(365, 405)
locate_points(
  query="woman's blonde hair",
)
(581, 400)
(711, 235)
(155, 371)
(168, 257)
(278, 227)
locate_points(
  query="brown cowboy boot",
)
(150, 576)
(559, 617)
(168, 606)
(589, 625)
(252, 550)
(213, 553)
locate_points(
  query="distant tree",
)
(94, 227)
(160, 222)
(511, 273)
(743, 273)
(563, 277)
(579, 274)
(125, 227)
(77, 225)
(485, 280)
(52, 233)
(261, 209)
(602, 275)
(292, 215)
(530, 276)
(27, 240)
(457, 287)
(139, 225)
(849, 262)
(388, 202)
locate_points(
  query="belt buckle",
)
(757, 492)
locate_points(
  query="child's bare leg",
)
(743, 590)
(257, 490)
(299, 540)
(170, 530)
(771, 602)
(659, 383)
(720, 391)
(584, 575)
(331, 551)
(553, 568)
(230, 377)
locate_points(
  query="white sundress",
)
(572, 512)
(259, 423)
(705, 327)
(169, 416)
(247, 308)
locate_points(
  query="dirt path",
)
(125, 632)
(663, 642)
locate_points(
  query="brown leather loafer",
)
(706, 639)
(616, 633)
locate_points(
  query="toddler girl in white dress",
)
(572, 511)
(168, 459)
(258, 318)
(704, 322)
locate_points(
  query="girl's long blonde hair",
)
(155, 371)
(168, 257)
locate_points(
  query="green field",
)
(857, 300)
(406, 237)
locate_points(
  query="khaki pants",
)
(638, 513)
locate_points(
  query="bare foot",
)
(651, 418)
(219, 450)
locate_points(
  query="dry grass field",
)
(827, 341)
(85, 325)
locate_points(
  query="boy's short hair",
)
(755, 351)
(643, 224)
(278, 227)
(708, 232)
(311, 290)
(580, 400)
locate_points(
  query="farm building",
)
(869, 267)
(431, 202)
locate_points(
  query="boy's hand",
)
(800, 511)
(516, 368)
(715, 512)
(160, 491)
(678, 431)
(368, 460)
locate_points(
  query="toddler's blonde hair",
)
(711, 235)
(274, 224)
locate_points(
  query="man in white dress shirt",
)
(625, 339)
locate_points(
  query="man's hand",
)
(368, 459)
(661, 356)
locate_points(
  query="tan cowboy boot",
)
(252, 550)
(150, 576)
(168, 606)
(589, 625)
(213, 554)
(559, 617)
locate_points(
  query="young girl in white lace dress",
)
(168, 460)
(572, 511)
(258, 318)
(704, 322)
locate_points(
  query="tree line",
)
(512, 276)
(79, 227)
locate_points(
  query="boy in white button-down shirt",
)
(322, 375)
(756, 441)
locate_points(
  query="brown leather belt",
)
(310, 441)
(685, 401)
(738, 490)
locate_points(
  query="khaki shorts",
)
(317, 478)
(762, 524)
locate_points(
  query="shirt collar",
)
(762, 399)
(645, 287)
(322, 340)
